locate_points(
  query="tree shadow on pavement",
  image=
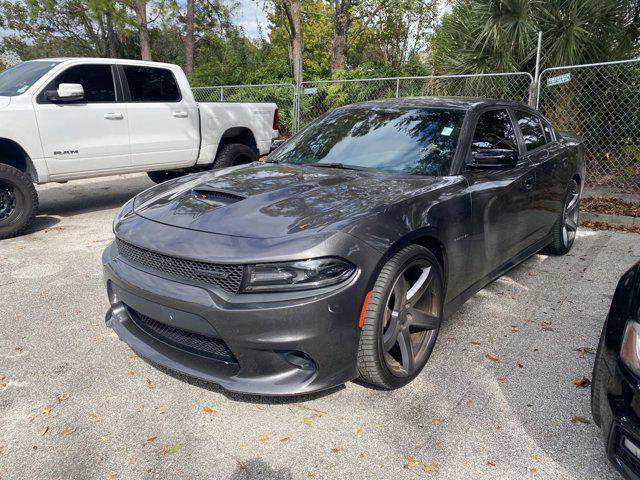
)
(257, 468)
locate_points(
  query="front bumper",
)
(620, 411)
(275, 344)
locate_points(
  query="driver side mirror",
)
(493, 158)
(67, 92)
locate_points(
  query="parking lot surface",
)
(496, 400)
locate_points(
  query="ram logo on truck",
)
(66, 152)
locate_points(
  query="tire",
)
(164, 175)
(384, 366)
(234, 154)
(566, 226)
(18, 202)
(598, 380)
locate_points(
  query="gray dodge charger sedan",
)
(340, 256)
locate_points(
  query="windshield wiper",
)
(336, 165)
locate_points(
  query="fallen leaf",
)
(546, 326)
(361, 456)
(285, 439)
(533, 471)
(152, 438)
(586, 350)
(581, 382)
(264, 438)
(514, 329)
(437, 422)
(210, 411)
(150, 384)
(520, 365)
(491, 358)
(307, 421)
(359, 430)
(476, 343)
(579, 419)
(430, 468)
(63, 396)
(532, 274)
(491, 463)
(43, 431)
(133, 357)
(170, 450)
(68, 431)
(502, 379)
(46, 410)
(335, 450)
(536, 458)
(132, 373)
(411, 462)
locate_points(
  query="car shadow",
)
(242, 397)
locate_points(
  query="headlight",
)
(630, 348)
(300, 275)
(125, 211)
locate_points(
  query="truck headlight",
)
(630, 348)
(299, 275)
(125, 211)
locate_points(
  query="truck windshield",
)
(17, 80)
(411, 140)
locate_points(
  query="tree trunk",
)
(292, 9)
(189, 40)
(340, 19)
(111, 36)
(140, 7)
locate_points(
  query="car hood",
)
(273, 200)
(4, 101)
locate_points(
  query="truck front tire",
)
(18, 202)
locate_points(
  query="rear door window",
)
(494, 130)
(149, 84)
(531, 129)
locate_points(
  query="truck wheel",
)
(234, 154)
(164, 175)
(18, 202)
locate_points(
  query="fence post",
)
(397, 87)
(296, 107)
(222, 94)
(536, 78)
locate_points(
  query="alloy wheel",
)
(570, 217)
(7, 200)
(411, 318)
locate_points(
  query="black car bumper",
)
(620, 409)
(275, 344)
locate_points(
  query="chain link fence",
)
(321, 96)
(601, 103)
(282, 94)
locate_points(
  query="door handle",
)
(528, 183)
(180, 114)
(114, 116)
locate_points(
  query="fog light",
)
(632, 447)
(300, 360)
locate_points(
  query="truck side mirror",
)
(67, 92)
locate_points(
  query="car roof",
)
(459, 103)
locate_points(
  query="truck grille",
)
(192, 342)
(226, 277)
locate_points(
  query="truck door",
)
(163, 122)
(88, 135)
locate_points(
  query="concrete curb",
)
(621, 220)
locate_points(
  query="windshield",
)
(417, 141)
(17, 80)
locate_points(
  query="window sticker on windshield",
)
(447, 131)
(22, 89)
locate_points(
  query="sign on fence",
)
(310, 91)
(557, 80)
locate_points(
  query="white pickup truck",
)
(70, 118)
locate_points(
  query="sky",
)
(251, 15)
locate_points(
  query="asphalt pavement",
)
(496, 400)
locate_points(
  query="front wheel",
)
(402, 319)
(566, 226)
(18, 202)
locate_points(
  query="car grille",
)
(629, 459)
(226, 277)
(193, 342)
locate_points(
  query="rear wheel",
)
(18, 202)
(402, 319)
(566, 227)
(234, 154)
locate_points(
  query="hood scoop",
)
(216, 196)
